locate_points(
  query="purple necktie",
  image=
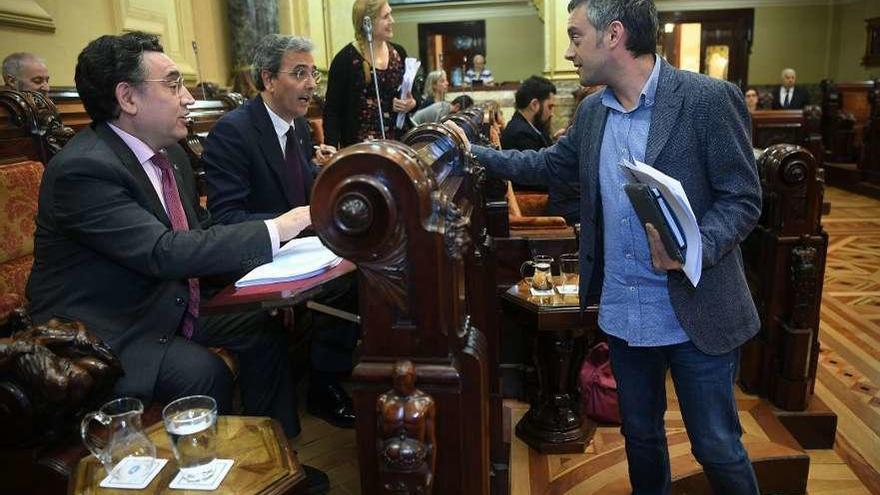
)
(178, 222)
(294, 163)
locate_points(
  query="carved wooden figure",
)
(407, 442)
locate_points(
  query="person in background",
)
(751, 98)
(529, 128)
(24, 71)
(479, 73)
(439, 110)
(258, 163)
(788, 95)
(436, 87)
(658, 322)
(351, 112)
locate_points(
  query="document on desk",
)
(676, 199)
(298, 259)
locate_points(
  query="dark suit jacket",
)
(246, 174)
(562, 199)
(799, 99)
(699, 135)
(519, 135)
(105, 253)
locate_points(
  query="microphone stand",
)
(368, 32)
(199, 68)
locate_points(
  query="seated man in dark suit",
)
(257, 164)
(529, 129)
(788, 96)
(121, 241)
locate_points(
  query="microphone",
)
(368, 28)
(368, 33)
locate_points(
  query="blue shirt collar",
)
(646, 97)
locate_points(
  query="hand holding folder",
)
(651, 209)
(665, 205)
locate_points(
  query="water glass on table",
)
(191, 424)
(569, 270)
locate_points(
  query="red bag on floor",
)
(598, 386)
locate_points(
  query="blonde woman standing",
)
(351, 110)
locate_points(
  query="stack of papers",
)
(298, 259)
(676, 199)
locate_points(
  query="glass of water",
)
(191, 423)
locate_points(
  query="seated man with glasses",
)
(121, 242)
(257, 163)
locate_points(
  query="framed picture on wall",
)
(872, 45)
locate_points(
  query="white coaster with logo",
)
(567, 289)
(134, 473)
(221, 469)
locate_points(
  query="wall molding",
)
(464, 11)
(171, 20)
(25, 14)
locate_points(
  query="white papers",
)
(677, 200)
(409, 75)
(298, 259)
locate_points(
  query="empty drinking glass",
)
(569, 270)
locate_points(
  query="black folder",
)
(649, 210)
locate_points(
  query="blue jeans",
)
(704, 386)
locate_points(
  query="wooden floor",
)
(848, 382)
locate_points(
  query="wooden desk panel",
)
(279, 295)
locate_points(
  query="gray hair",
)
(14, 63)
(271, 49)
(430, 80)
(788, 70)
(639, 18)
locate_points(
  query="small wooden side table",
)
(552, 425)
(264, 462)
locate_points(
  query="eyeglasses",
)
(174, 84)
(302, 73)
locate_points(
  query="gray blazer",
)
(700, 135)
(105, 253)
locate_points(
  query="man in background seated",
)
(529, 127)
(751, 97)
(24, 71)
(257, 164)
(435, 112)
(121, 242)
(479, 74)
(788, 96)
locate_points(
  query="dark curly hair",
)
(104, 63)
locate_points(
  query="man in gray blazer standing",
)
(694, 129)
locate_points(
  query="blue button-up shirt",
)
(635, 303)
